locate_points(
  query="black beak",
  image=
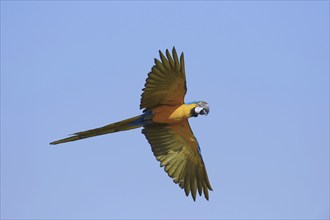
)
(205, 110)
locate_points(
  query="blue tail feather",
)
(145, 118)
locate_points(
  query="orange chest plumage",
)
(172, 114)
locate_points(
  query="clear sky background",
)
(263, 66)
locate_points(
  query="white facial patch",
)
(198, 109)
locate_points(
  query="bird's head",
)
(202, 108)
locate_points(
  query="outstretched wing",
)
(166, 83)
(177, 149)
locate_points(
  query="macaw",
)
(165, 125)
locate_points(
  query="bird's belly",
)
(171, 114)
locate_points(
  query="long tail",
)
(124, 125)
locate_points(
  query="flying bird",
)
(165, 125)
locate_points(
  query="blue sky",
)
(263, 67)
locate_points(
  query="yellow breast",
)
(172, 114)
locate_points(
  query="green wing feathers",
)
(179, 156)
(166, 83)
